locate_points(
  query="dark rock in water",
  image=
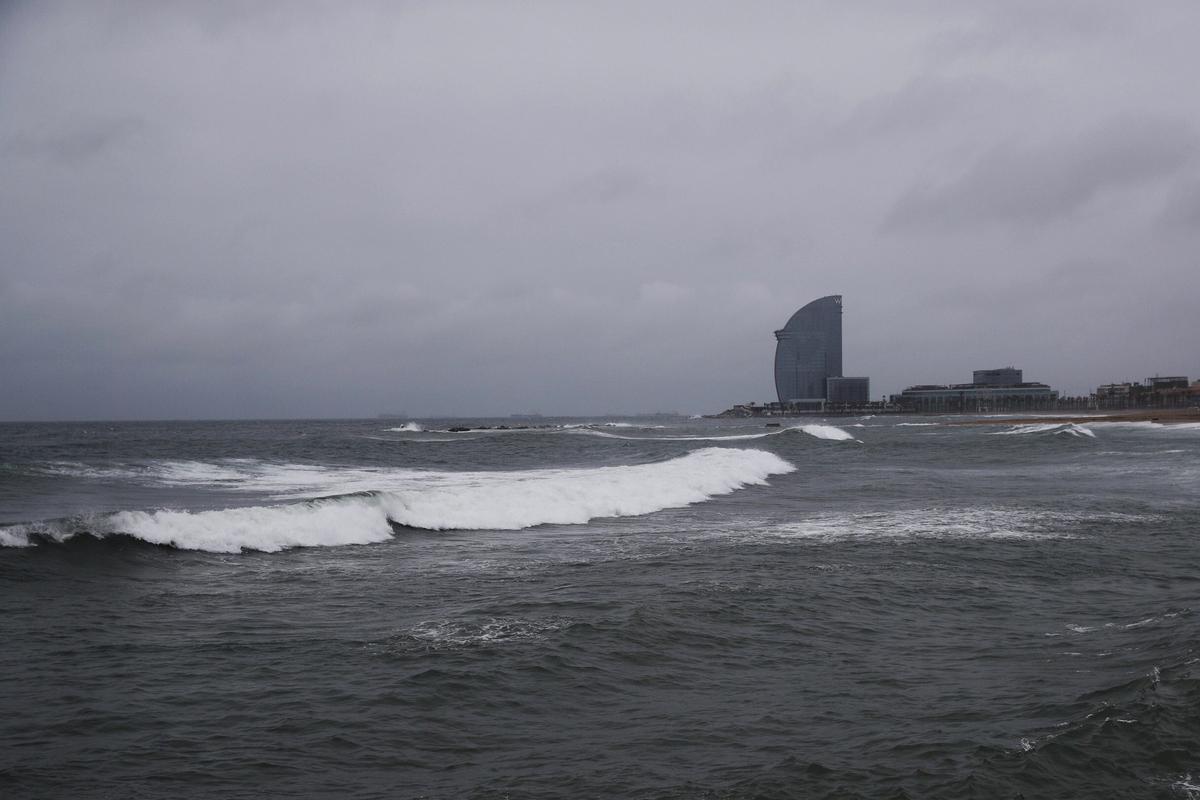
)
(772, 424)
(458, 429)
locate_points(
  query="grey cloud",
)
(1037, 185)
(313, 209)
(1028, 24)
(921, 103)
(77, 143)
(1182, 211)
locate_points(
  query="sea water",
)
(650, 608)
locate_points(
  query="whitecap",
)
(830, 432)
(497, 630)
(945, 523)
(727, 438)
(1070, 428)
(429, 500)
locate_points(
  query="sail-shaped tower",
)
(809, 351)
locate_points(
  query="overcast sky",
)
(340, 209)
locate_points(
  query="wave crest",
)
(1053, 428)
(435, 501)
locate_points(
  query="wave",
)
(828, 432)
(1149, 425)
(1134, 736)
(1085, 429)
(237, 474)
(430, 501)
(162, 472)
(408, 427)
(950, 523)
(460, 633)
(1055, 428)
(729, 438)
(543, 429)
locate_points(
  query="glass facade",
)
(1005, 376)
(809, 351)
(848, 391)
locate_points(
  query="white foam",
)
(268, 529)
(520, 500)
(1070, 428)
(946, 523)
(728, 438)
(430, 500)
(235, 474)
(830, 432)
(1150, 425)
(1041, 427)
(819, 431)
(16, 536)
(408, 427)
(459, 633)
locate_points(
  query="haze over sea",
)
(666, 608)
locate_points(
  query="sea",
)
(664, 607)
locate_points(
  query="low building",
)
(1169, 391)
(1004, 376)
(1114, 395)
(848, 391)
(971, 398)
(991, 390)
(1158, 383)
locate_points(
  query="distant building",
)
(1169, 391)
(991, 390)
(1114, 395)
(1005, 376)
(848, 391)
(809, 353)
(1158, 383)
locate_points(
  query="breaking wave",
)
(426, 500)
(729, 438)
(1054, 428)
(829, 432)
(1150, 425)
(408, 427)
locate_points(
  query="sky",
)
(239, 210)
